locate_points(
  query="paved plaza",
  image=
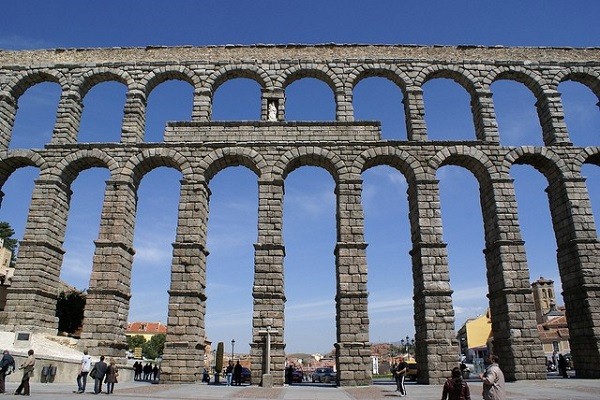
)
(563, 389)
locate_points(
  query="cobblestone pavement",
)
(567, 389)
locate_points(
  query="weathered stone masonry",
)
(272, 148)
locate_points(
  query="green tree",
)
(69, 310)
(154, 348)
(135, 341)
(6, 233)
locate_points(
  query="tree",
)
(6, 233)
(135, 341)
(154, 348)
(69, 310)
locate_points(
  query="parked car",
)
(412, 370)
(246, 375)
(297, 376)
(324, 375)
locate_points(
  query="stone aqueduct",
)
(272, 148)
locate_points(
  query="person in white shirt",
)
(84, 370)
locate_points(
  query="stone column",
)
(552, 118)
(578, 256)
(31, 298)
(344, 110)
(414, 110)
(134, 118)
(68, 118)
(353, 349)
(8, 111)
(202, 105)
(184, 348)
(516, 338)
(107, 305)
(268, 288)
(272, 105)
(436, 346)
(484, 116)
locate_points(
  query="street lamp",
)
(232, 346)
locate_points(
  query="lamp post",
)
(232, 347)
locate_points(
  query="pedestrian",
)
(455, 387)
(27, 368)
(147, 371)
(138, 371)
(493, 379)
(135, 371)
(84, 370)
(112, 372)
(229, 373)
(401, 370)
(155, 372)
(289, 374)
(100, 368)
(237, 373)
(7, 366)
(562, 366)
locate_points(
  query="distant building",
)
(145, 329)
(552, 321)
(6, 272)
(474, 336)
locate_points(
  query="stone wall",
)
(274, 147)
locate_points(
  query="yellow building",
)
(145, 329)
(475, 335)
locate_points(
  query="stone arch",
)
(220, 159)
(473, 159)
(463, 77)
(542, 159)
(70, 166)
(379, 70)
(585, 76)
(103, 74)
(139, 165)
(167, 73)
(17, 86)
(313, 156)
(320, 72)
(18, 159)
(406, 163)
(589, 155)
(233, 71)
(531, 79)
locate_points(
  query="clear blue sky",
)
(309, 220)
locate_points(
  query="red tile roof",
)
(146, 327)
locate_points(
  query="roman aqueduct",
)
(273, 147)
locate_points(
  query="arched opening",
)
(36, 115)
(463, 232)
(516, 114)
(237, 100)
(447, 111)
(83, 224)
(170, 101)
(232, 232)
(580, 106)
(591, 173)
(103, 110)
(390, 280)
(379, 99)
(155, 228)
(309, 99)
(309, 267)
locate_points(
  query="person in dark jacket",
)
(455, 387)
(237, 374)
(101, 368)
(7, 365)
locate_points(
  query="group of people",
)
(399, 373)
(101, 372)
(7, 366)
(145, 372)
(233, 373)
(559, 362)
(456, 388)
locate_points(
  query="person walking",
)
(27, 368)
(84, 370)
(7, 366)
(100, 368)
(229, 373)
(401, 370)
(237, 373)
(455, 387)
(493, 379)
(112, 372)
(562, 366)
